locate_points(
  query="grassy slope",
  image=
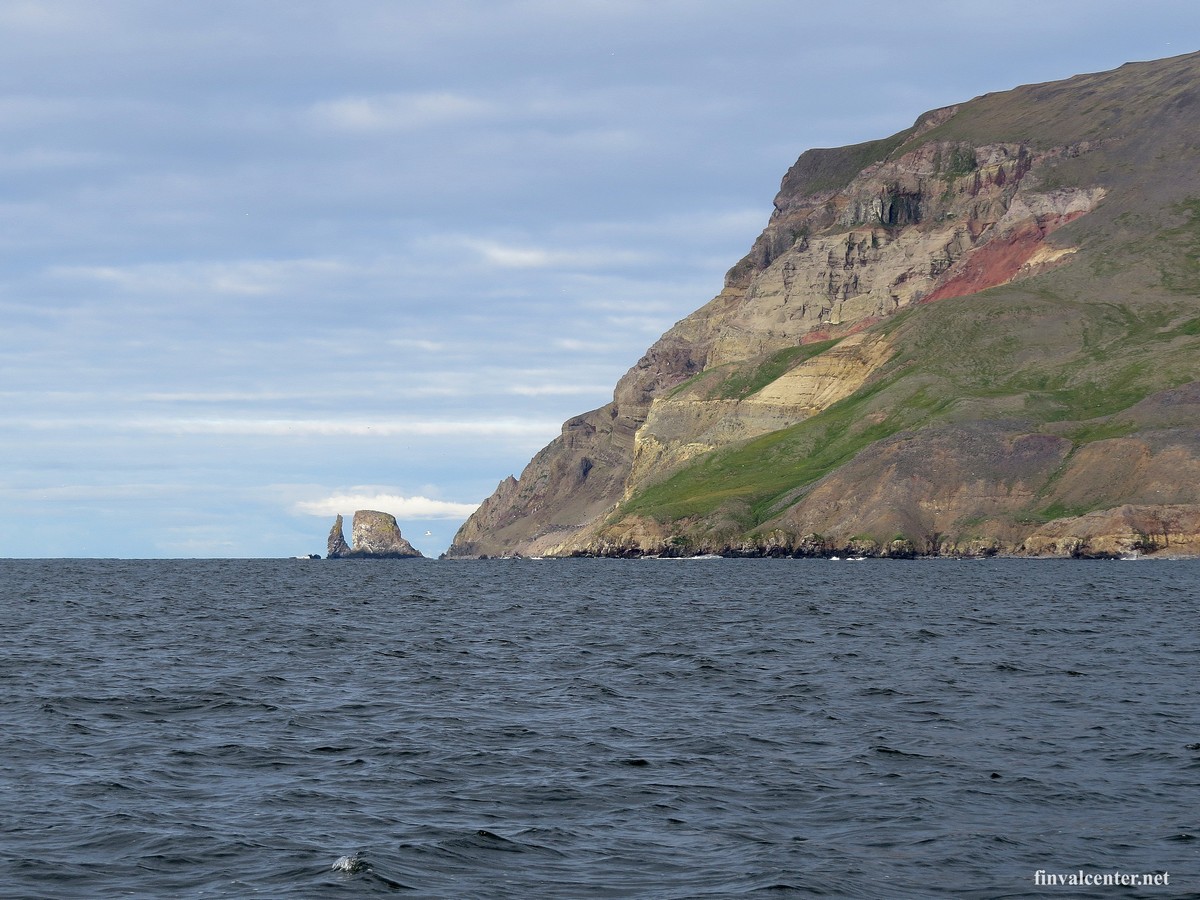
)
(736, 381)
(1027, 358)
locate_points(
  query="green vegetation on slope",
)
(1087, 107)
(831, 169)
(1005, 353)
(736, 381)
(757, 473)
(1184, 275)
(958, 161)
(746, 380)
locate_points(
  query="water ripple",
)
(594, 728)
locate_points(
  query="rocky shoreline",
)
(1129, 531)
(903, 553)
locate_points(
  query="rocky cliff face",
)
(336, 546)
(375, 535)
(920, 353)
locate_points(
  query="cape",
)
(980, 335)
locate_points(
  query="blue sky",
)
(265, 262)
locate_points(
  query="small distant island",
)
(375, 535)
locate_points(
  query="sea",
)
(599, 728)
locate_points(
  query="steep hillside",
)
(981, 334)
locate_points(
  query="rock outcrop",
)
(336, 546)
(375, 535)
(937, 345)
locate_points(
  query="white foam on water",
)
(354, 863)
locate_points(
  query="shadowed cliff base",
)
(980, 335)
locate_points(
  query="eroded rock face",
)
(375, 535)
(944, 220)
(1123, 531)
(337, 546)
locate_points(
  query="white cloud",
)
(417, 507)
(53, 19)
(648, 325)
(516, 428)
(349, 427)
(393, 112)
(28, 111)
(36, 158)
(603, 347)
(88, 493)
(273, 396)
(553, 390)
(509, 256)
(245, 277)
(419, 344)
(513, 257)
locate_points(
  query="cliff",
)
(979, 335)
(336, 546)
(375, 535)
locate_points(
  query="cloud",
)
(244, 277)
(54, 19)
(420, 344)
(514, 257)
(216, 397)
(509, 256)
(401, 507)
(350, 427)
(36, 158)
(606, 347)
(297, 427)
(88, 493)
(649, 325)
(395, 112)
(554, 390)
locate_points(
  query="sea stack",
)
(375, 535)
(337, 548)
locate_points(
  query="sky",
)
(263, 263)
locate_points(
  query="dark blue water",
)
(597, 728)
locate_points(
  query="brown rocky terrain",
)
(979, 335)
